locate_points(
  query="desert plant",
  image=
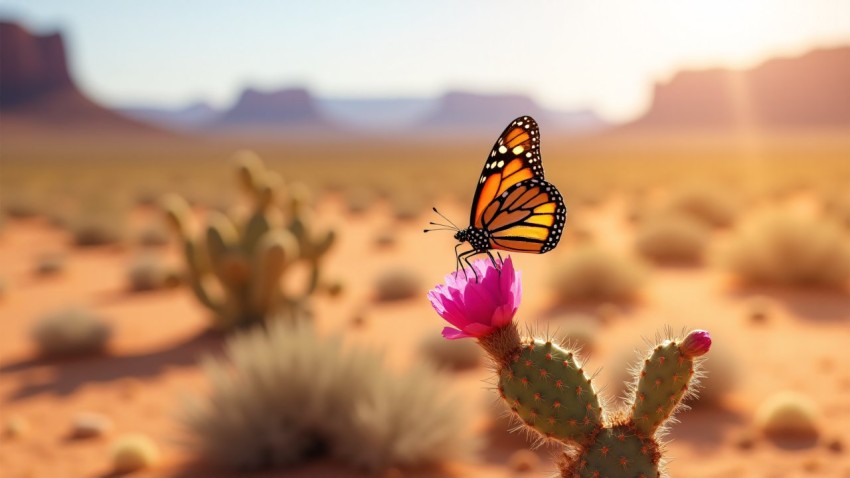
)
(788, 415)
(449, 354)
(711, 205)
(284, 394)
(672, 238)
(248, 256)
(592, 273)
(785, 249)
(133, 452)
(548, 391)
(70, 331)
(397, 283)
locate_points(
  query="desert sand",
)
(159, 336)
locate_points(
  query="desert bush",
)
(133, 452)
(672, 238)
(407, 207)
(577, 330)
(283, 394)
(49, 264)
(592, 273)
(788, 415)
(97, 229)
(786, 249)
(149, 272)
(711, 205)
(359, 200)
(386, 238)
(70, 331)
(397, 284)
(451, 354)
(721, 376)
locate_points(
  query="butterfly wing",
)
(515, 158)
(527, 217)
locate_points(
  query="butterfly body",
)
(514, 208)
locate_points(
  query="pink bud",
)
(696, 344)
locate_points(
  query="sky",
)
(566, 54)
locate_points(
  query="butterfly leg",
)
(493, 260)
(457, 258)
(464, 256)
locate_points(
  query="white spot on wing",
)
(503, 149)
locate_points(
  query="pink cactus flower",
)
(696, 344)
(476, 308)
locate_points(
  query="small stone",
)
(835, 445)
(90, 425)
(134, 452)
(16, 427)
(523, 461)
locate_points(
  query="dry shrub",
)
(283, 395)
(97, 230)
(149, 272)
(407, 207)
(451, 354)
(711, 205)
(672, 238)
(49, 264)
(70, 331)
(397, 284)
(785, 249)
(153, 235)
(591, 273)
(721, 376)
(359, 200)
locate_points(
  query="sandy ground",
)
(152, 361)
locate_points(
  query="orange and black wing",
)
(515, 158)
(527, 217)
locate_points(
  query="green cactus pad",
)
(663, 382)
(618, 452)
(546, 387)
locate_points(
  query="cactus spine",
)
(546, 387)
(248, 255)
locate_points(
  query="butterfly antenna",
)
(447, 219)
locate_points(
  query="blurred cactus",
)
(249, 253)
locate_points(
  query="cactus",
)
(248, 254)
(548, 390)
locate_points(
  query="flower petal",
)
(454, 334)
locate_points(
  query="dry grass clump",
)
(785, 249)
(397, 284)
(359, 200)
(591, 273)
(153, 235)
(149, 272)
(451, 354)
(133, 452)
(97, 230)
(70, 331)
(284, 395)
(788, 415)
(711, 205)
(672, 239)
(407, 207)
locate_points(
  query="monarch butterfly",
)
(514, 208)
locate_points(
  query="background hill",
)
(38, 90)
(809, 91)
